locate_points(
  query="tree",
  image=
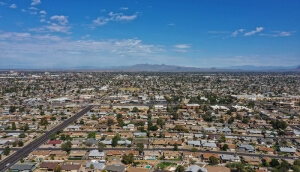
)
(296, 168)
(160, 122)
(101, 146)
(179, 168)
(110, 122)
(66, 146)
(140, 147)
(91, 135)
(53, 136)
(194, 149)
(135, 109)
(115, 140)
(213, 160)
(120, 122)
(230, 120)
(6, 151)
(22, 135)
(13, 126)
(128, 159)
(44, 121)
(26, 127)
(12, 109)
(81, 122)
(274, 163)
(222, 138)
(57, 168)
(175, 147)
(297, 162)
(20, 144)
(225, 147)
(63, 137)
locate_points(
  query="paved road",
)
(21, 153)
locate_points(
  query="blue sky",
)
(198, 33)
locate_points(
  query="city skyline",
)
(48, 34)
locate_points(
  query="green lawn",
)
(164, 165)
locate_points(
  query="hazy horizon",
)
(65, 34)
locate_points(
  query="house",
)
(253, 131)
(91, 141)
(106, 142)
(96, 165)
(291, 150)
(72, 128)
(55, 142)
(143, 141)
(135, 153)
(231, 147)
(195, 168)
(70, 168)
(48, 166)
(114, 153)
(246, 148)
(58, 153)
(76, 154)
(151, 155)
(96, 154)
(187, 155)
(140, 134)
(159, 142)
(173, 142)
(263, 141)
(194, 143)
(206, 156)
(210, 129)
(124, 142)
(171, 154)
(265, 149)
(23, 167)
(252, 160)
(4, 142)
(229, 158)
(115, 168)
(209, 145)
(225, 130)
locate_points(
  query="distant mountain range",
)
(170, 68)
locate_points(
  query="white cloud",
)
(46, 49)
(257, 30)
(2, 3)
(33, 8)
(100, 21)
(57, 28)
(124, 8)
(235, 33)
(63, 20)
(279, 34)
(283, 33)
(43, 12)
(13, 6)
(35, 2)
(42, 20)
(116, 17)
(121, 17)
(182, 46)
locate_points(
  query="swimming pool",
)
(148, 166)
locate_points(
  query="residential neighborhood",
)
(150, 122)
